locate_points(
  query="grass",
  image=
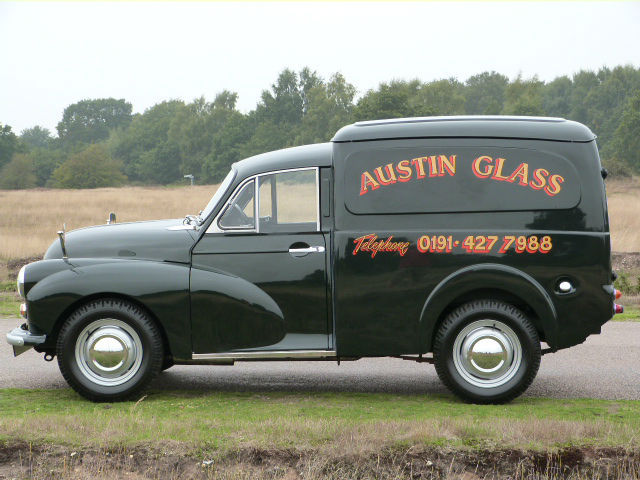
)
(30, 218)
(624, 204)
(9, 300)
(629, 315)
(221, 422)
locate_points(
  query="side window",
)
(240, 213)
(289, 202)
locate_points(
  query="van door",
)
(259, 275)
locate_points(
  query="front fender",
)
(232, 313)
(161, 287)
(491, 277)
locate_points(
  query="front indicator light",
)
(618, 308)
(23, 310)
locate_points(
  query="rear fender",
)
(491, 277)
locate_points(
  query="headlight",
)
(21, 281)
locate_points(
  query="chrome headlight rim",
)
(20, 281)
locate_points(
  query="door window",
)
(289, 201)
(286, 202)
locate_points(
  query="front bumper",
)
(21, 339)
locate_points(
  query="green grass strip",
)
(224, 421)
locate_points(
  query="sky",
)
(55, 54)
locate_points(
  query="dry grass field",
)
(29, 219)
(624, 214)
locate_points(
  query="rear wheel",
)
(109, 350)
(487, 351)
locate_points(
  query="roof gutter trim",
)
(462, 137)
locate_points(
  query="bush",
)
(617, 168)
(18, 173)
(93, 167)
(625, 284)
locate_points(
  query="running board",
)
(227, 358)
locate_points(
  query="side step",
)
(228, 358)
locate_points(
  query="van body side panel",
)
(384, 274)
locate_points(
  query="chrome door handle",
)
(307, 250)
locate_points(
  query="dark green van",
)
(474, 243)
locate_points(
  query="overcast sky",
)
(54, 54)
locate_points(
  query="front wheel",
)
(487, 351)
(109, 350)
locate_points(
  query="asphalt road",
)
(605, 366)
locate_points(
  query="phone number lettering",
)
(478, 244)
(485, 244)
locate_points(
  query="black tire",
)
(130, 323)
(456, 333)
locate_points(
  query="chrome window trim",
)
(216, 228)
(317, 199)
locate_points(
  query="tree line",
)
(100, 142)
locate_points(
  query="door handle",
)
(306, 250)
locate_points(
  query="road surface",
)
(605, 366)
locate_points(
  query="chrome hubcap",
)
(487, 353)
(108, 352)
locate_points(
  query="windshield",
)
(218, 195)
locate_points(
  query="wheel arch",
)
(52, 338)
(161, 289)
(494, 281)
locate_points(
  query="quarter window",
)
(240, 213)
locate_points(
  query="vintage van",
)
(466, 242)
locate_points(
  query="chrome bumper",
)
(22, 340)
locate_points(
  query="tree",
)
(195, 128)
(93, 167)
(484, 93)
(583, 83)
(391, 100)
(90, 121)
(225, 100)
(627, 135)
(607, 101)
(18, 173)
(308, 81)
(36, 137)
(266, 137)
(284, 103)
(524, 97)
(45, 161)
(228, 146)
(556, 97)
(329, 107)
(442, 97)
(145, 132)
(8, 144)
(162, 164)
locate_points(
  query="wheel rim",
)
(487, 353)
(108, 352)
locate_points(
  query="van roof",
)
(314, 155)
(534, 128)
